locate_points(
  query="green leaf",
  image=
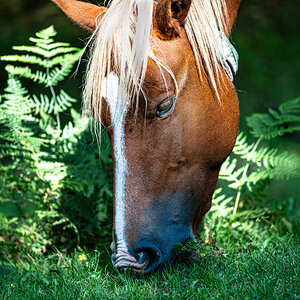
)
(273, 124)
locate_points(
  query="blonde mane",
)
(121, 42)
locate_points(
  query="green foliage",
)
(242, 210)
(268, 164)
(52, 188)
(273, 124)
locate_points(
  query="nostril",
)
(142, 257)
(150, 257)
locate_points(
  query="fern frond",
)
(276, 173)
(62, 59)
(48, 46)
(221, 203)
(47, 32)
(269, 164)
(46, 53)
(229, 173)
(56, 104)
(80, 122)
(31, 59)
(17, 102)
(242, 148)
(71, 131)
(59, 74)
(46, 63)
(44, 41)
(43, 103)
(15, 115)
(26, 72)
(270, 159)
(22, 134)
(264, 156)
(63, 101)
(274, 124)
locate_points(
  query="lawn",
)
(268, 270)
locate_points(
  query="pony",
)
(159, 79)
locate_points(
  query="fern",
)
(46, 63)
(59, 74)
(45, 165)
(57, 104)
(51, 63)
(265, 163)
(248, 171)
(286, 120)
(267, 158)
(45, 45)
(15, 114)
(17, 100)
(26, 72)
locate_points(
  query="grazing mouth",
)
(123, 260)
(145, 260)
(145, 257)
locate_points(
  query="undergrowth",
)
(55, 190)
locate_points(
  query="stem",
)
(57, 121)
(54, 97)
(239, 193)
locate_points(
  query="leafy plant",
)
(273, 124)
(50, 172)
(248, 172)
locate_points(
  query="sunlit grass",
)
(256, 270)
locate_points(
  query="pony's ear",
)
(170, 15)
(85, 14)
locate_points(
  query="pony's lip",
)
(123, 260)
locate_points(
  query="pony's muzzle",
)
(143, 260)
(146, 257)
(159, 227)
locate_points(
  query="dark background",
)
(266, 36)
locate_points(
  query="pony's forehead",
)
(123, 40)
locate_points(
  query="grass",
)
(268, 270)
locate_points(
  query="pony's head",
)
(156, 81)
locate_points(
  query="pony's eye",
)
(165, 107)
